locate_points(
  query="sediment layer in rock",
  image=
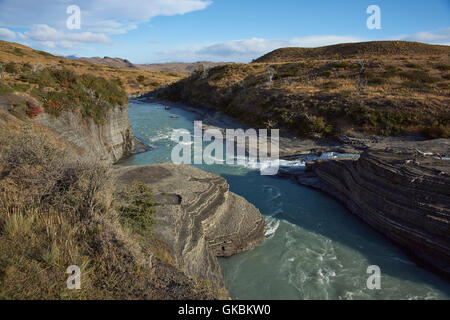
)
(197, 218)
(403, 192)
(109, 141)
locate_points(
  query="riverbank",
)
(437, 257)
(313, 248)
(290, 146)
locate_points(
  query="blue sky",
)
(148, 31)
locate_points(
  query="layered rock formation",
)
(197, 218)
(403, 192)
(109, 141)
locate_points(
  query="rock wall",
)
(109, 141)
(404, 194)
(198, 218)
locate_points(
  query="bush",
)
(413, 65)
(330, 85)
(55, 213)
(11, 68)
(138, 213)
(92, 95)
(376, 81)
(436, 131)
(442, 67)
(33, 110)
(418, 76)
(5, 89)
(18, 52)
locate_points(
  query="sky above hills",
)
(153, 31)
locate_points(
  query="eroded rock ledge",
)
(198, 218)
(403, 192)
(109, 141)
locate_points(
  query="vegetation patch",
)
(384, 88)
(137, 214)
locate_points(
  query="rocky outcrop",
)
(403, 192)
(198, 218)
(109, 141)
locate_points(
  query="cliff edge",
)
(402, 192)
(197, 217)
(108, 141)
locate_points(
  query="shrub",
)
(340, 65)
(442, 66)
(418, 76)
(92, 95)
(5, 89)
(10, 68)
(413, 65)
(330, 85)
(18, 52)
(436, 131)
(33, 110)
(138, 213)
(55, 213)
(376, 81)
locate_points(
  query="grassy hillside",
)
(34, 81)
(385, 88)
(57, 208)
(132, 81)
(57, 211)
(354, 50)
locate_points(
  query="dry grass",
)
(354, 50)
(382, 88)
(19, 56)
(56, 212)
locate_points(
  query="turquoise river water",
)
(314, 248)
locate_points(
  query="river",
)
(314, 248)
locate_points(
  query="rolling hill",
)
(354, 50)
(17, 58)
(381, 88)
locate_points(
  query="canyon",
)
(401, 190)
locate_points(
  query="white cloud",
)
(48, 44)
(43, 32)
(51, 38)
(103, 16)
(45, 20)
(7, 34)
(248, 49)
(439, 37)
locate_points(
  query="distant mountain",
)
(373, 88)
(179, 66)
(114, 62)
(72, 56)
(156, 67)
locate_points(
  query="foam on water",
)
(313, 249)
(272, 226)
